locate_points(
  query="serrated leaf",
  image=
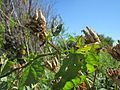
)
(68, 70)
(24, 78)
(32, 74)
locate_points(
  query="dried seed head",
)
(38, 25)
(115, 51)
(90, 36)
(93, 34)
(114, 75)
(52, 65)
(35, 17)
(41, 16)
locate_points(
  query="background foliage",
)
(63, 62)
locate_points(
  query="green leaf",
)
(80, 42)
(0, 3)
(72, 50)
(90, 68)
(2, 28)
(68, 86)
(92, 59)
(12, 23)
(32, 74)
(49, 36)
(71, 38)
(84, 50)
(76, 81)
(94, 47)
(82, 78)
(58, 29)
(3, 85)
(68, 70)
(24, 78)
(6, 67)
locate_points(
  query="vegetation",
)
(37, 54)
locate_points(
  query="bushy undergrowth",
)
(37, 56)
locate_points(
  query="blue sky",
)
(103, 16)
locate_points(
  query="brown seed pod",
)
(112, 72)
(48, 64)
(93, 34)
(52, 65)
(38, 26)
(88, 37)
(114, 75)
(35, 17)
(114, 51)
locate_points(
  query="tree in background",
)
(106, 41)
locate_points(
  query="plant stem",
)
(94, 79)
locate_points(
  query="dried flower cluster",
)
(114, 74)
(90, 36)
(53, 65)
(115, 51)
(38, 24)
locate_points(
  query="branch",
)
(54, 47)
(15, 12)
(29, 8)
(94, 79)
(24, 66)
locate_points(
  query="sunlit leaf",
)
(84, 50)
(68, 86)
(90, 68)
(92, 59)
(76, 81)
(80, 42)
(71, 38)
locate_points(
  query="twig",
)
(54, 47)
(15, 12)
(29, 8)
(11, 71)
(12, 20)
